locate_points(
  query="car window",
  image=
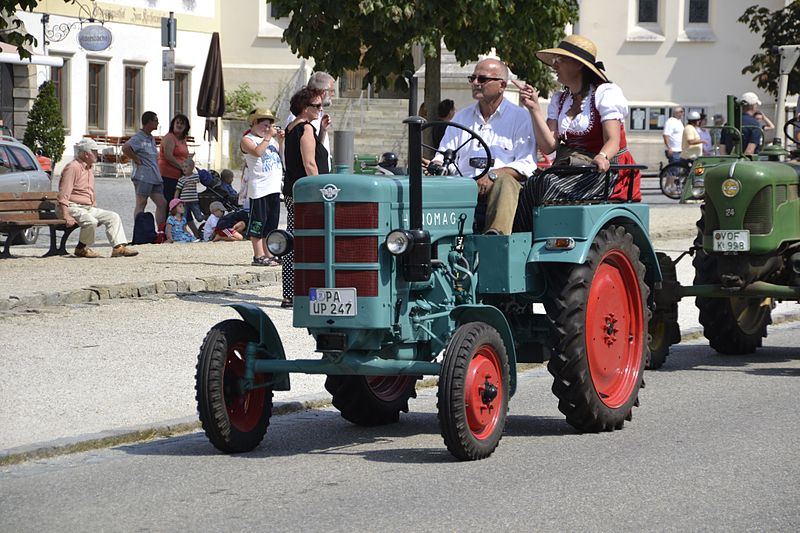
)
(22, 160)
(5, 162)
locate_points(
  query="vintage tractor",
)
(393, 284)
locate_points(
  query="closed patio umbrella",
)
(211, 100)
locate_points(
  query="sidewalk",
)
(65, 389)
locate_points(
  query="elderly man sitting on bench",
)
(77, 201)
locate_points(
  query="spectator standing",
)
(673, 135)
(141, 149)
(751, 128)
(187, 192)
(705, 135)
(79, 206)
(305, 156)
(172, 152)
(325, 85)
(766, 123)
(507, 130)
(691, 142)
(263, 173)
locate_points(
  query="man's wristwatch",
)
(492, 176)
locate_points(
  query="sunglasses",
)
(482, 79)
(318, 106)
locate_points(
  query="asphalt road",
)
(712, 447)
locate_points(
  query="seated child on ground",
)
(186, 190)
(176, 223)
(222, 227)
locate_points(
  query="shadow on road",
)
(684, 357)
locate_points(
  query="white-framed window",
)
(60, 77)
(133, 96)
(695, 17)
(183, 91)
(268, 24)
(645, 20)
(96, 96)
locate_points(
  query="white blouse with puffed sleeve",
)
(609, 100)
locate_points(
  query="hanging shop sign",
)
(94, 38)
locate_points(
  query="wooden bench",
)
(20, 211)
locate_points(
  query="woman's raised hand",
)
(528, 95)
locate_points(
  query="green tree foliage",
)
(379, 35)
(777, 28)
(11, 31)
(45, 128)
(242, 100)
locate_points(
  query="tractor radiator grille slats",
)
(780, 195)
(349, 249)
(758, 218)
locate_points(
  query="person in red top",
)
(77, 201)
(584, 122)
(172, 152)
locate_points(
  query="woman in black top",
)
(304, 155)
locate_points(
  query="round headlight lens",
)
(279, 242)
(398, 242)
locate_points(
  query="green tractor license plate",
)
(332, 302)
(732, 240)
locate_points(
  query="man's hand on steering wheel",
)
(450, 156)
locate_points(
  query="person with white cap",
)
(691, 142)
(751, 128)
(76, 197)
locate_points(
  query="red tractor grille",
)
(309, 249)
(305, 279)
(356, 216)
(309, 216)
(360, 249)
(365, 281)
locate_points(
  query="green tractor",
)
(394, 288)
(747, 253)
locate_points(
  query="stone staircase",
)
(377, 124)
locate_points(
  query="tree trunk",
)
(433, 92)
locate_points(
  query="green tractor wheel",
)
(600, 325)
(371, 400)
(235, 421)
(473, 391)
(733, 326)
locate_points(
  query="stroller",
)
(215, 192)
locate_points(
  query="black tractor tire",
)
(371, 400)
(733, 326)
(233, 421)
(600, 320)
(473, 391)
(663, 328)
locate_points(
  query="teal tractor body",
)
(393, 285)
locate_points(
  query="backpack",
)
(144, 228)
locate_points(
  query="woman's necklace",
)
(577, 102)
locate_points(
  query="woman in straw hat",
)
(262, 179)
(584, 121)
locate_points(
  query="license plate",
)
(332, 302)
(732, 240)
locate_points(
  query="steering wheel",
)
(795, 122)
(450, 155)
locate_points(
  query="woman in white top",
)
(263, 174)
(585, 120)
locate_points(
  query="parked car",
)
(20, 171)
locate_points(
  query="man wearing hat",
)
(77, 201)
(751, 128)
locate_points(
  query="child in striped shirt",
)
(186, 190)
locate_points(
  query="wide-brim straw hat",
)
(259, 113)
(579, 48)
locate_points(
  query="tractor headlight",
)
(399, 242)
(280, 242)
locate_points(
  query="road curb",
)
(183, 426)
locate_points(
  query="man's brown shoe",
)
(85, 252)
(122, 251)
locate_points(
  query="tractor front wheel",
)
(234, 420)
(371, 400)
(601, 324)
(473, 391)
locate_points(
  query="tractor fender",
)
(583, 223)
(491, 315)
(268, 336)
